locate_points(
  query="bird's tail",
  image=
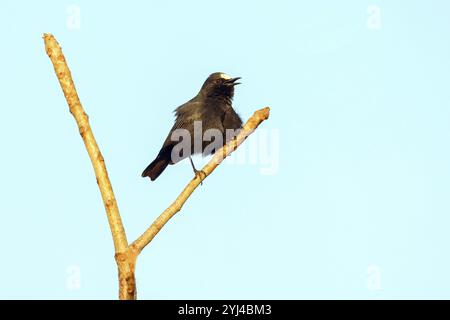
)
(155, 168)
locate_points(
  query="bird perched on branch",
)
(204, 124)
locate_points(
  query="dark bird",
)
(212, 107)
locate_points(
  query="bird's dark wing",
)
(188, 107)
(231, 123)
(231, 119)
(186, 115)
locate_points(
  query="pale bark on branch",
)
(125, 254)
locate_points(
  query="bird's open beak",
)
(232, 81)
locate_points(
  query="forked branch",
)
(125, 254)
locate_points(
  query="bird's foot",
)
(200, 174)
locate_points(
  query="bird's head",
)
(219, 84)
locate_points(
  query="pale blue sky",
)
(363, 176)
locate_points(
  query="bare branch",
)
(65, 80)
(126, 255)
(252, 123)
